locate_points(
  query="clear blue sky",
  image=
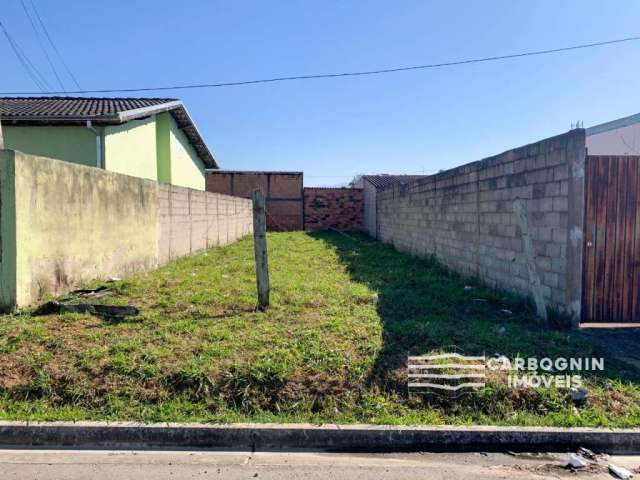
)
(332, 129)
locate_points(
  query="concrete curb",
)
(324, 437)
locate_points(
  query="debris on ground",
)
(479, 300)
(501, 330)
(620, 472)
(113, 279)
(506, 311)
(468, 288)
(97, 292)
(50, 308)
(533, 455)
(501, 359)
(576, 461)
(586, 453)
(554, 470)
(579, 395)
(374, 298)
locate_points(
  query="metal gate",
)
(611, 273)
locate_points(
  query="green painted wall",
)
(130, 148)
(72, 144)
(163, 147)
(8, 230)
(187, 170)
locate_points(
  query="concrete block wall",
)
(283, 192)
(333, 208)
(369, 223)
(465, 217)
(192, 220)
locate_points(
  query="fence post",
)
(260, 248)
(1, 137)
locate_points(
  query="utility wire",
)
(24, 61)
(413, 174)
(55, 49)
(344, 74)
(42, 47)
(31, 64)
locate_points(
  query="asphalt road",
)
(160, 465)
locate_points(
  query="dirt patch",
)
(559, 470)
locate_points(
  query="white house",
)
(617, 137)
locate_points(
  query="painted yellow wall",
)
(75, 223)
(63, 223)
(72, 144)
(130, 148)
(187, 170)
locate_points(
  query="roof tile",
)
(381, 181)
(12, 108)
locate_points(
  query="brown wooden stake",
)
(260, 248)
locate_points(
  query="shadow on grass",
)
(425, 307)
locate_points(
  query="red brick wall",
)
(219, 183)
(336, 208)
(283, 191)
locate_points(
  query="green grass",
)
(346, 311)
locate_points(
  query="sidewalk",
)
(160, 465)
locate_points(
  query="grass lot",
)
(345, 313)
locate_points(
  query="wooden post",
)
(1, 137)
(260, 248)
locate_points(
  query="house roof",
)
(253, 172)
(101, 111)
(381, 181)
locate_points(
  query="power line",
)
(22, 62)
(30, 63)
(31, 70)
(357, 174)
(46, 54)
(338, 75)
(423, 172)
(55, 49)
